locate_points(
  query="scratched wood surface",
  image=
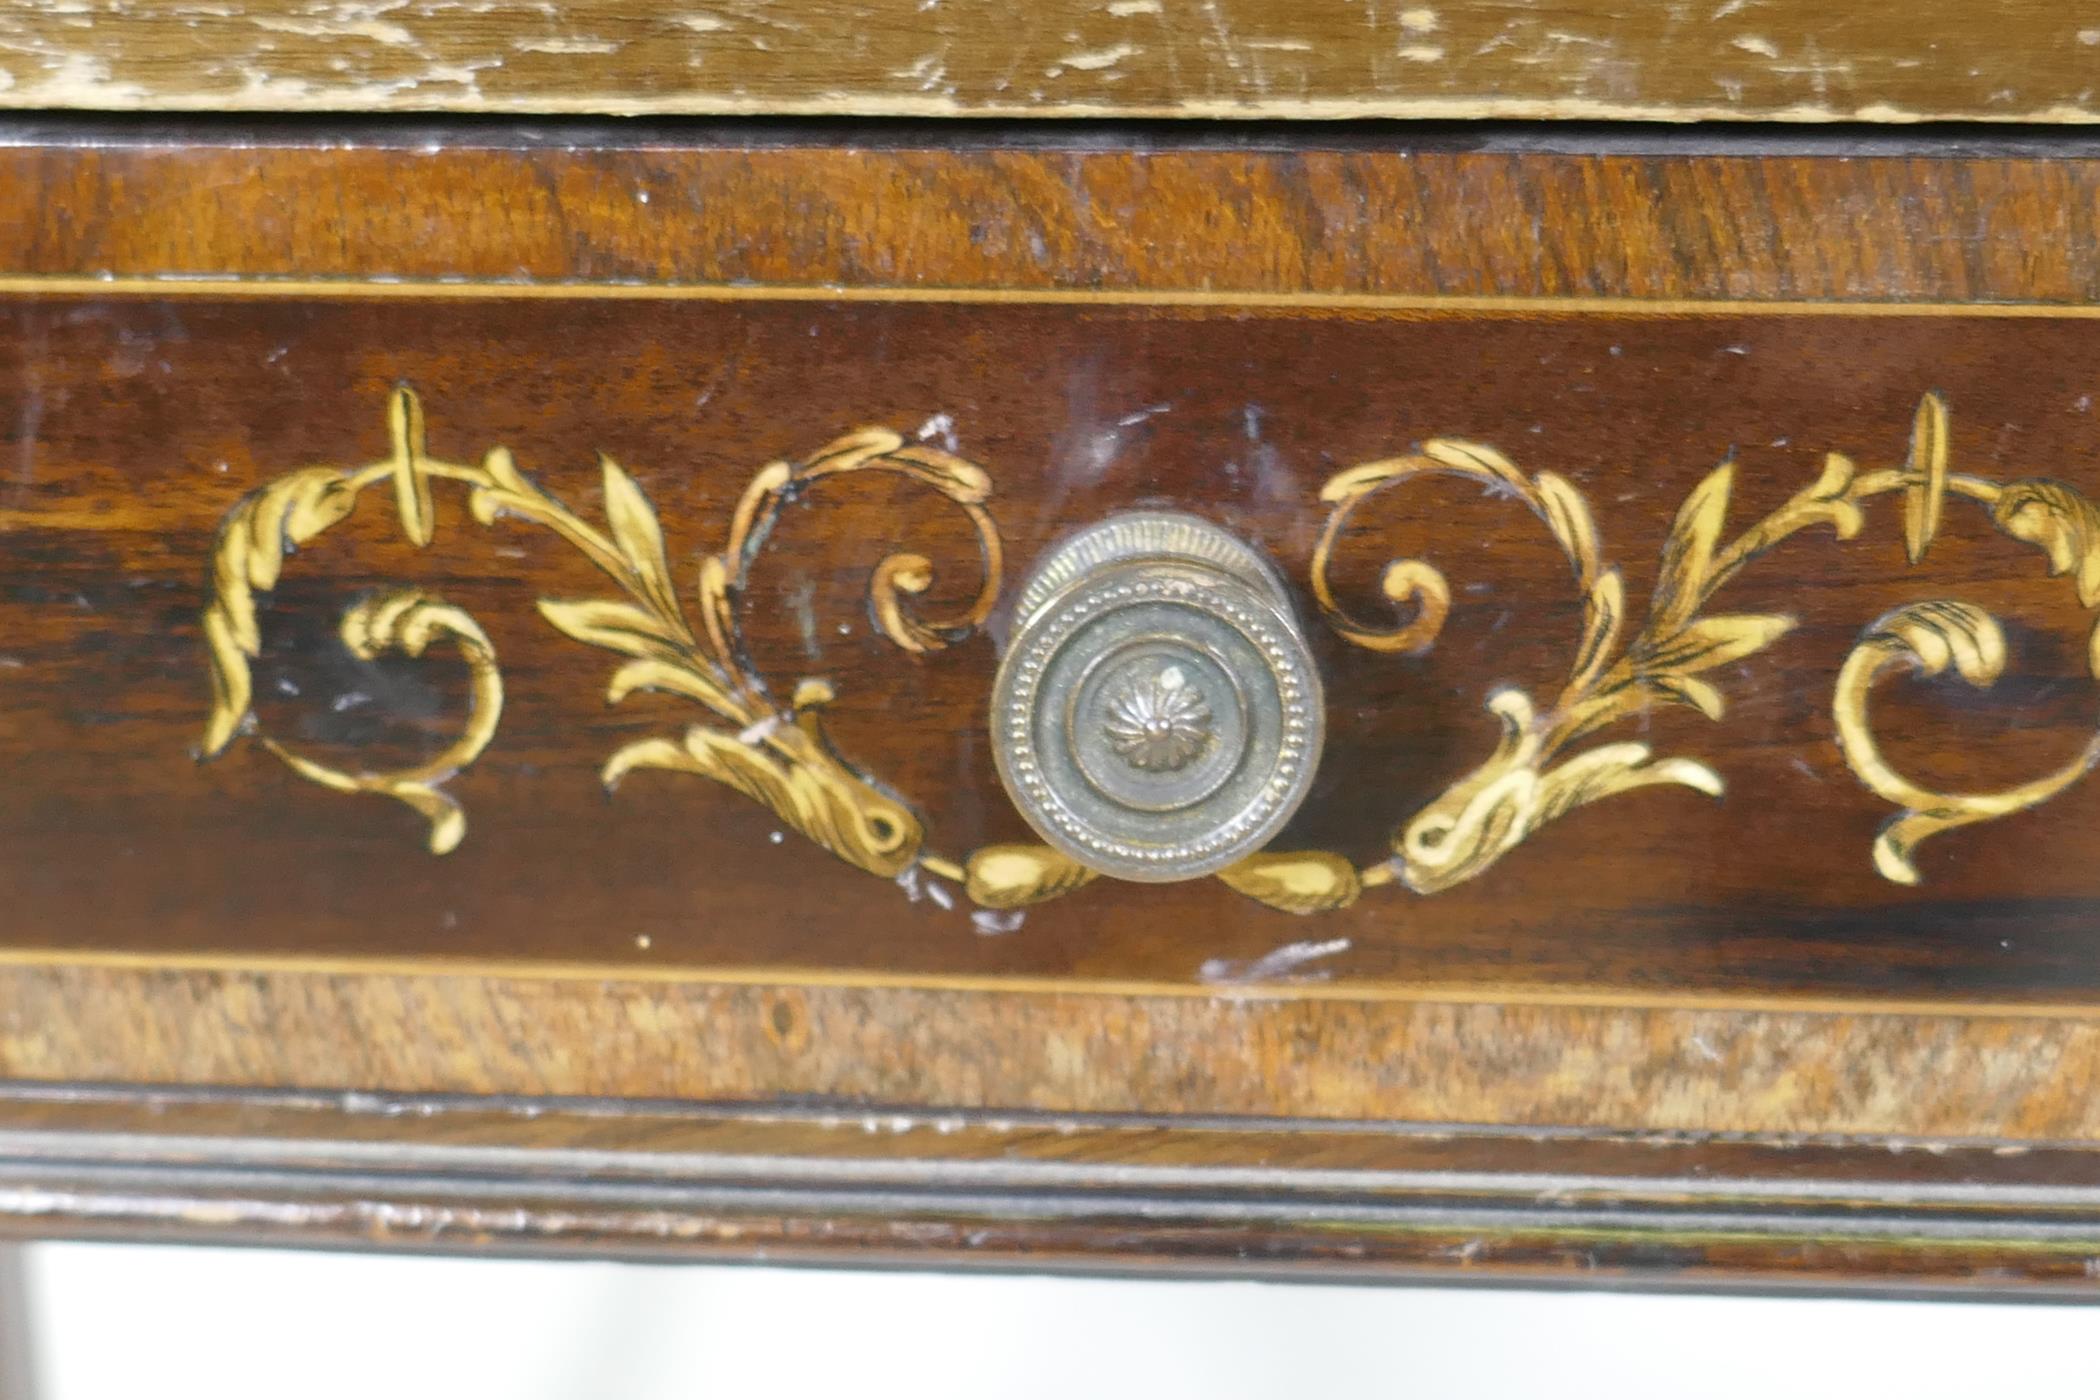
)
(957, 1190)
(1677, 60)
(146, 412)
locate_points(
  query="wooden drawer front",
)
(516, 615)
(1640, 718)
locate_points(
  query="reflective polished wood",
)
(1729, 868)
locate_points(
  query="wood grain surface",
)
(189, 315)
(148, 409)
(1332, 213)
(1280, 1052)
(1670, 60)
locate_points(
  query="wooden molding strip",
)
(1302, 303)
(1780, 60)
(1241, 1198)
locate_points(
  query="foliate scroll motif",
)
(778, 755)
(1541, 768)
(1928, 638)
(1547, 762)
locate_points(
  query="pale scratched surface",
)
(1797, 60)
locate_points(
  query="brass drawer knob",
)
(1157, 715)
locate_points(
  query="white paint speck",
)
(759, 731)
(940, 426)
(1093, 59)
(566, 46)
(898, 1123)
(1271, 965)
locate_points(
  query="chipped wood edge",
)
(1585, 60)
(62, 97)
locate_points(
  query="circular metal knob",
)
(1157, 715)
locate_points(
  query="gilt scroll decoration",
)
(778, 754)
(1540, 770)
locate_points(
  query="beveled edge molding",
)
(780, 756)
(246, 287)
(912, 1188)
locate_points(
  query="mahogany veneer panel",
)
(152, 417)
